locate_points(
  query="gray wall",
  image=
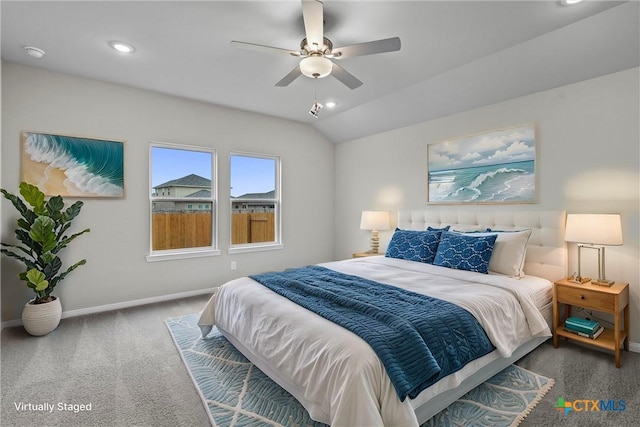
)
(588, 161)
(116, 270)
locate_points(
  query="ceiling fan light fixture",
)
(316, 67)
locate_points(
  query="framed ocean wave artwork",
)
(73, 166)
(494, 167)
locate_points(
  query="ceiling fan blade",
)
(345, 77)
(263, 48)
(312, 13)
(289, 77)
(369, 48)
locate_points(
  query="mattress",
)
(540, 290)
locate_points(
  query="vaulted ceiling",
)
(455, 55)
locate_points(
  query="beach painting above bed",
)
(492, 167)
(73, 166)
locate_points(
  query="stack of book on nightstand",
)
(583, 327)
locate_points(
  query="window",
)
(255, 202)
(182, 201)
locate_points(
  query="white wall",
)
(588, 160)
(116, 269)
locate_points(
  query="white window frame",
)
(184, 253)
(277, 201)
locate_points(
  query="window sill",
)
(255, 248)
(173, 255)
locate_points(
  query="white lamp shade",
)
(596, 229)
(316, 66)
(374, 220)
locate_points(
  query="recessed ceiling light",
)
(121, 47)
(330, 104)
(34, 51)
(570, 2)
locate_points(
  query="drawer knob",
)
(581, 296)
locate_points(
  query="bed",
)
(337, 376)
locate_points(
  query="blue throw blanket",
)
(419, 339)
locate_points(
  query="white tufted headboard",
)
(546, 250)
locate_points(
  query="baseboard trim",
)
(118, 306)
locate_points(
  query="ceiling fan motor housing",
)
(307, 50)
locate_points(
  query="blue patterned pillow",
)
(412, 245)
(430, 228)
(463, 252)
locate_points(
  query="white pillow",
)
(508, 252)
(468, 228)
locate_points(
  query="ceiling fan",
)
(317, 51)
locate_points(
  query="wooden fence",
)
(178, 230)
(252, 227)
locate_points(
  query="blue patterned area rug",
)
(236, 393)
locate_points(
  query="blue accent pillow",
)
(430, 228)
(413, 245)
(464, 252)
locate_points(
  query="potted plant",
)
(41, 231)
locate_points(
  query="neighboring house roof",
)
(201, 194)
(268, 195)
(192, 180)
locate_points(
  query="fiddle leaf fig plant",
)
(42, 232)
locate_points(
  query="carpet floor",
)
(126, 365)
(235, 392)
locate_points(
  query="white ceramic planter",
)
(40, 319)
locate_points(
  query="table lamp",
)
(374, 221)
(594, 231)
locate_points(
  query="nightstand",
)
(605, 299)
(364, 254)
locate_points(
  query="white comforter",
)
(335, 374)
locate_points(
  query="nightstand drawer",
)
(587, 298)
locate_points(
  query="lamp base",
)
(578, 279)
(602, 282)
(375, 242)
